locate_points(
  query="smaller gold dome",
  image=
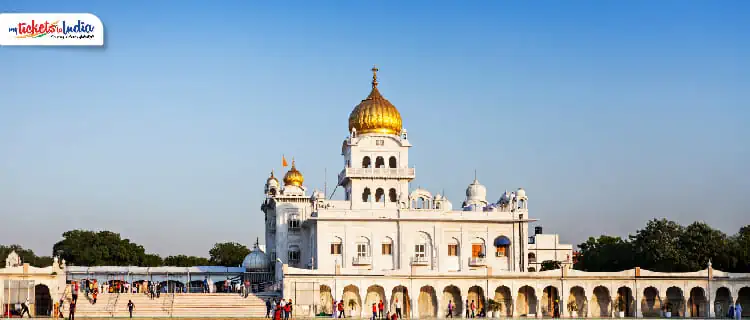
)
(375, 114)
(293, 177)
(272, 178)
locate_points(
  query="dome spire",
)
(374, 76)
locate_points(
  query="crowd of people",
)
(280, 309)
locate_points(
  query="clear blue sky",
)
(608, 113)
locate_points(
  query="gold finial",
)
(374, 76)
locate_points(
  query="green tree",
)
(550, 265)
(605, 253)
(152, 260)
(700, 243)
(228, 254)
(186, 261)
(89, 248)
(657, 246)
(740, 250)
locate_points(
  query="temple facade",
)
(387, 242)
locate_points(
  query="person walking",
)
(288, 309)
(397, 305)
(381, 307)
(340, 308)
(131, 306)
(473, 307)
(268, 308)
(450, 309)
(25, 308)
(94, 294)
(72, 311)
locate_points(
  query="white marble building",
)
(387, 242)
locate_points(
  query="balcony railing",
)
(362, 260)
(477, 261)
(403, 173)
(419, 261)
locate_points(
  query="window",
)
(392, 162)
(501, 251)
(379, 142)
(380, 195)
(387, 249)
(294, 256)
(392, 195)
(366, 195)
(532, 258)
(419, 250)
(476, 250)
(362, 250)
(294, 223)
(379, 162)
(452, 250)
(335, 248)
(366, 162)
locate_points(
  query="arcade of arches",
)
(514, 299)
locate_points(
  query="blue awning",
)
(502, 241)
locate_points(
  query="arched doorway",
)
(352, 301)
(375, 294)
(698, 303)
(42, 300)
(625, 302)
(743, 298)
(722, 301)
(326, 299)
(651, 303)
(476, 295)
(453, 294)
(427, 302)
(526, 301)
(504, 301)
(577, 303)
(675, 302)
(550, 296)
(600, 307)
(401, 294)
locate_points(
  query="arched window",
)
(421, 203)
(453, 247)
(387, 247)
(392, 162)
(437, 205)
(392, 195)
(336, 246)
(363, 247)
(532, 269)
(501, 246)
(273, 191)
(379, 195)
(366, 195)
(379, 162)
(366, 162)
(532, 257)
(477, 248)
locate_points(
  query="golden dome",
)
(293, 177)
(375, 114)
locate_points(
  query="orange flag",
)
(283, 161)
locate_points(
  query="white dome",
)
(438, 197)
(255, 260)
(476, 191)
(521, 193)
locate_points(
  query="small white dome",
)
(521, 193)
(476, 191)
(438, 197)
(255, 260)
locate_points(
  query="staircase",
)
(170, 305)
